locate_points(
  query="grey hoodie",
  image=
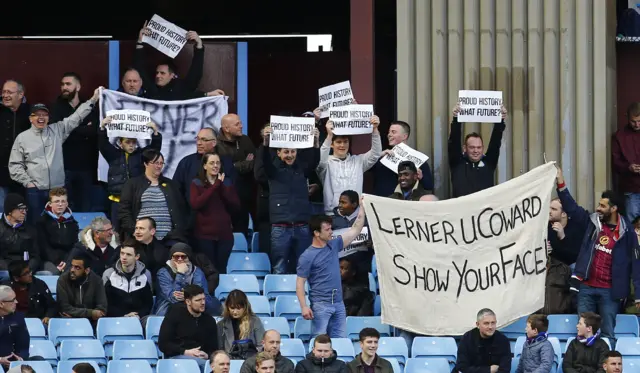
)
(36, 155)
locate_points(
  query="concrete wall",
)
(555, 62)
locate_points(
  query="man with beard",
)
(79, 170)
(609, 259)
(81, 292)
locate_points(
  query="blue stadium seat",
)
(255, 242)
(563, 327)
(250, 227)
(177, 366)
(240, 242)
(372, 284)
(342, 346)
(66, 366)
(38, 366)
(85, 218)
(395, 347)
(83, 349)
(628, 346)
(111, 329)
(51, 281)
(444, 347)
(515, 330)
(36, 329)
(292, 348)
(277, 323)
(514, 364)
(627, 326)
(152, 329)
(44, 273)
(356, 323)
(62, 329)
(395, 365)
(287, 306)
(374, 267)
(135, 350)
(257, 264)
(44, 348)
(246, 283)
(260, 305)
(629, 364)
(302, 329)
(129, 366)
(427, 365)
(4, 275)
(377, 306)
(275, 285)
(235, 366)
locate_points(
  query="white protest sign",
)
(358, 244)
(452, 258)
(129, 123)
(165, 36)
(291, 132)
(480, 106)
(177, 121)
(351, 119)
(336, 95)
(403, 152)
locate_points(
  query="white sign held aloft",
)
(129, 123)
(351, 119)
(403, 152)
(177, 121)
(165, 36)
(480, 106)
(291, 132)
(336, 95)
(452, 258)
(358, 244)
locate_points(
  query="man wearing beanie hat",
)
(409, 188)
(18, 241)
(177, 273)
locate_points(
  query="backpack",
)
(629, 23)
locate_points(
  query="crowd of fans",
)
(171, 238)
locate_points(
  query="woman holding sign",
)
(213, 201)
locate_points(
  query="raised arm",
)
(454, 145)
(325, 149)
(68, 124)
(192, 80)
(370, 158)
(355, 229)
(109, 151)
(493, 151)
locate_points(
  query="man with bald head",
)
(14, 118)
(271, 344)
(190, 165)
(133, 82)
(220, 362)
(232, 143)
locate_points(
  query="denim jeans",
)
(329, 318)
(201, 362)
(3, 194)
(36, 200)
(79, 186)
(632, 205)
(287, 241)
(599, 300)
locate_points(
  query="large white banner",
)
(440, 262)
(178, 122)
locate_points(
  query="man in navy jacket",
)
(609, 258)
(14, 336)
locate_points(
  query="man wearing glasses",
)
(36, 159)
(18, 241)
(33, 295)
(189, 166)
(14, 336)
(98, 244)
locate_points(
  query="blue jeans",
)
(285, 241)
(36, 200)
(329, 318)
(3, 194)
(201, 362)
(599, 300)
(79, 186)
(632, 206)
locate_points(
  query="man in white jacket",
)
(36, 159)
(343, 171)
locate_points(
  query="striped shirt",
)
(155, 205)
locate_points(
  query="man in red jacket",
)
(625, 155)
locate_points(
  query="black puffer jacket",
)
(14, 242)
(314, 365)
(121, 166)
(581, 358)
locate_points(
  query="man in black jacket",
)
(322, 359)
(186, 331)
(34, 296)
(79, 171)
(471, 169)
(484, 347)
(18, 241)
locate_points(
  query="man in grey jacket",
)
(36, 159)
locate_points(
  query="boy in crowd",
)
(588, 350)
(537, 352)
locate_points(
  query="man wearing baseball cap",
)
(36, 159)
(408, 187)
(18, 241)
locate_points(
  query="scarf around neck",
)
(591, 340)
(542, 336)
